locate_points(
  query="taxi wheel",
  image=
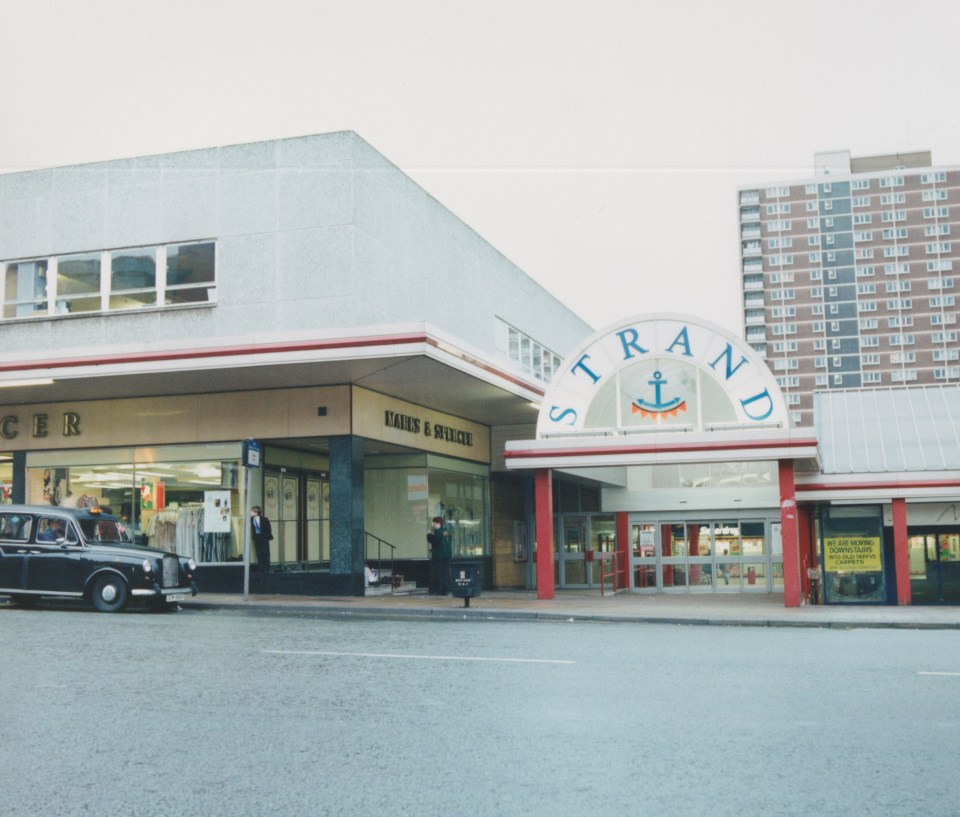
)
(109, 594)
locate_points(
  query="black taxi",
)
(47, 550)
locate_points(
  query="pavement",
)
(742, 609)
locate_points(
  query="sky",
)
(598, 145)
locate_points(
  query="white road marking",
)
(419, 657)
(956, 674)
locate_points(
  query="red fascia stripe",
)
(675, 448)
(492, 370)
(258, 349)
(200, 354)
(878, 486)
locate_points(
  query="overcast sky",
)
(596, 144)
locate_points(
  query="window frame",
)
(57, 303)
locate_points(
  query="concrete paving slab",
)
(743, 610)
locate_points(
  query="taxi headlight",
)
(147, 567)
(192, 565)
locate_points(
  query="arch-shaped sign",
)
(661, 372)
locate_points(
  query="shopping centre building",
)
(303, 299)
(712, 490)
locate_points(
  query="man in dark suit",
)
(261, 533)
(440, 553)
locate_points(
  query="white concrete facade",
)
(317, 232)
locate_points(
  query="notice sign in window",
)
(851, 553)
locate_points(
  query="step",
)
(407, 588)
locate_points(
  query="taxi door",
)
(55, 562)
(15, 532)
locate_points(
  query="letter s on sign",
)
(557, 415)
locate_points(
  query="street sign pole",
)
(251, 460)
(248, 483)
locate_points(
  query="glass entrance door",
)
(710, 555)
(317, 521)
(571, 567)
(298, 506)
(586, 549)
(934, 568)
(643, 556)
(289, 545)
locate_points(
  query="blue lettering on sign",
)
(556, 418)
(764, 395)
(728, 354)
(581, 365)
(631, 343)
(683, 340)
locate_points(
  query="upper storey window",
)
(110, 280)
(133, 278)
(190, 273)
(25, 288)
(533, 358)
(78, 283)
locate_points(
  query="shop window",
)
(752, 541)
(192, 507)
(400, 502)
(461, 499)
(6, 478)
(851, 542)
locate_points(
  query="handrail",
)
(610, 556)
(380, 543)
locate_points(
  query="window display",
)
(410, 494)
(851, 541)
(164, 495)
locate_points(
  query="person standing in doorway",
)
(262, 533)
(725, 569)
(440, 552)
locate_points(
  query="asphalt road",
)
(224, 713)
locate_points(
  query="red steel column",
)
(789, 535)
(901, 553)
(543, 500)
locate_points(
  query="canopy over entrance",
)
(661, 389)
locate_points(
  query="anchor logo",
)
(659, 408)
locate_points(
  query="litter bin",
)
(465, 581)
